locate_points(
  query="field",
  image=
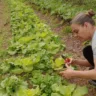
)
(33, 36)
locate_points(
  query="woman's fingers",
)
(61, 73)
(68, 61)
(67, 66)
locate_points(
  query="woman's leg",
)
(88, 54)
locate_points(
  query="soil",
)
(5, 33)
(73, 46)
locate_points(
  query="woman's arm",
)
(90, 74)
(69, 73)
(81, 62)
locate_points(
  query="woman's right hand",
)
(69, 61)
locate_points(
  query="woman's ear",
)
(86, 24)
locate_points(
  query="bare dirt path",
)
(73, 46)
(5, 33)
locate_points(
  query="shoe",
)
(92, 82)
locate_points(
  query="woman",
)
(83, 26)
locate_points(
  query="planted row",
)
(58, 7)
(14, 86)
(32, 40)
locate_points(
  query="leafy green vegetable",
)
(80, 91)
(58, 7)
(29, 92)
(45, 81)
(11, 85)
(64, 90)
(59, 61)
(55, 94)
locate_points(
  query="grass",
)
(67, 30)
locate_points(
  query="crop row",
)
(58, 7)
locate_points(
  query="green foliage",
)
(66, 9)
(58, 7)
(10, 85)
(69, 90)
(45, 81)
(86, 43)
(58, 63)
(18, 65)
(80, 91)
(67, 30)
(13, 86)
(31, 38)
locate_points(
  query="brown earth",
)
(73, 46)
(5, 33)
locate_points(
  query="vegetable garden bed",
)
(30, 69)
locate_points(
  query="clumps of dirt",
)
(5, 33)
(5, 30)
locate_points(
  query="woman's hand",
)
(68, 61)
(77, 62)
(68, 73)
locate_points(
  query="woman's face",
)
(81, 32)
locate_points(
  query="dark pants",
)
(88, 54)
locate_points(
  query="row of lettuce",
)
(33, 43)
(58, 7)
(63, 8)
(30, 69)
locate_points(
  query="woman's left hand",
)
(68, 73)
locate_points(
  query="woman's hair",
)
(84, 17)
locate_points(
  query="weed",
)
(67, 30)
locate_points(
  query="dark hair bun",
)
(91, 13)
